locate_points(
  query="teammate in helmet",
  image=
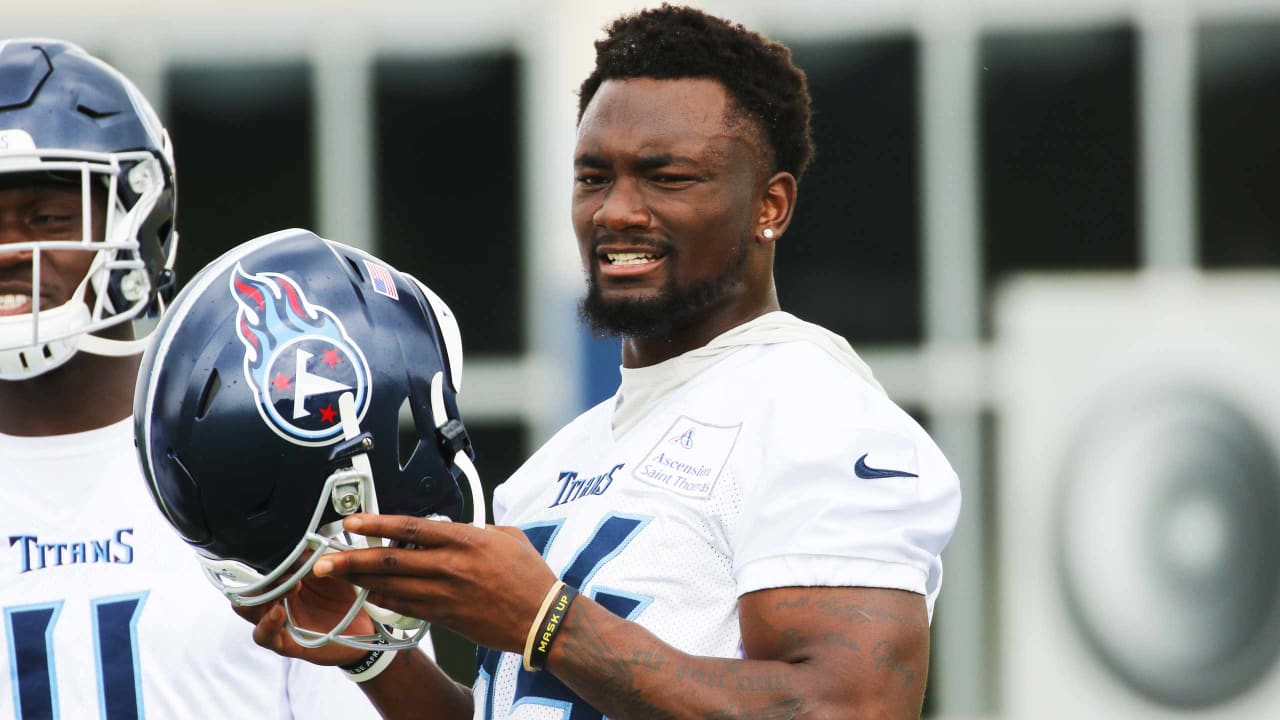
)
(749, 527)
(302, 354)
(104, 614)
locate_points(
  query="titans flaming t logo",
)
(298, 358)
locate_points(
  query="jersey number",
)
(115, 649)
(613, 534)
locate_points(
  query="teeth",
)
(11, 302)
(629, 258)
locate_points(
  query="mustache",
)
(642, 242)
(10, 280)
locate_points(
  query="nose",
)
(623, 207)
(10, 233)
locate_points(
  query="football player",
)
(103, 613)
(749, 528)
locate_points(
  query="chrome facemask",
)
(347, 490)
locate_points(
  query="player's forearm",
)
(415, 688)
(625, 672)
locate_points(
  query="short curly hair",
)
(681, 42)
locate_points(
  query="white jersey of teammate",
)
(769, 464)
(106, 613)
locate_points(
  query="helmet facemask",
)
(348, 489)
(42, 339)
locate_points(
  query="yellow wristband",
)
(537, 624)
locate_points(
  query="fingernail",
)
(322, 568)
(353, 523)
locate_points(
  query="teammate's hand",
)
(317, 603)
(487, 584)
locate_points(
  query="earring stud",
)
(768, 233)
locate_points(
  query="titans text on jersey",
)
(573, 487)
(38, 555)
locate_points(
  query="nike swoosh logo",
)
(866, 472)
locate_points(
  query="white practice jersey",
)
(776, 466)
(106, 613)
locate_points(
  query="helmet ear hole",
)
(355, 269)
(261, 509)
(410, 436)
(210, 391)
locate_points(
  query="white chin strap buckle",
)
(347, 495)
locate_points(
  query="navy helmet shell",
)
(236, 411)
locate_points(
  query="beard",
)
(674, 308)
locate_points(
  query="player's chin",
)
(610, 299)
(626, 314)
(623, 295)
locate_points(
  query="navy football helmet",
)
(67, 117)
(269, 406)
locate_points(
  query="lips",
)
(15, 298)
(14, 304)
(627, 261)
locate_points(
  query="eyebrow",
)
(641, 164)
(592, 161)
(653, 162)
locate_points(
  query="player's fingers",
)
(412, 598)
(409, 587)
(410, 530)
(269, 632)
(418, 562)
(252, 614)
(326, 588)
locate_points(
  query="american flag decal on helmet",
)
(381, 279)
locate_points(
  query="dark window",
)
(1059, 150)
(1239, 141)
(242, 138)
(448, 187)
(851, 260)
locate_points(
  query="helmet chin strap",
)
(391, 626)
(351, 429)
(460, 459)
(96, 345)
(369, 503)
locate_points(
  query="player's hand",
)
(487, 584)
(317, 604)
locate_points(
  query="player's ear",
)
(777, 201)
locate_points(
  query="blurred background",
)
(1052, 229)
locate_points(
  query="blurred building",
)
(1051, 227)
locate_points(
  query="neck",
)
(86, 393)
(645, 351)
